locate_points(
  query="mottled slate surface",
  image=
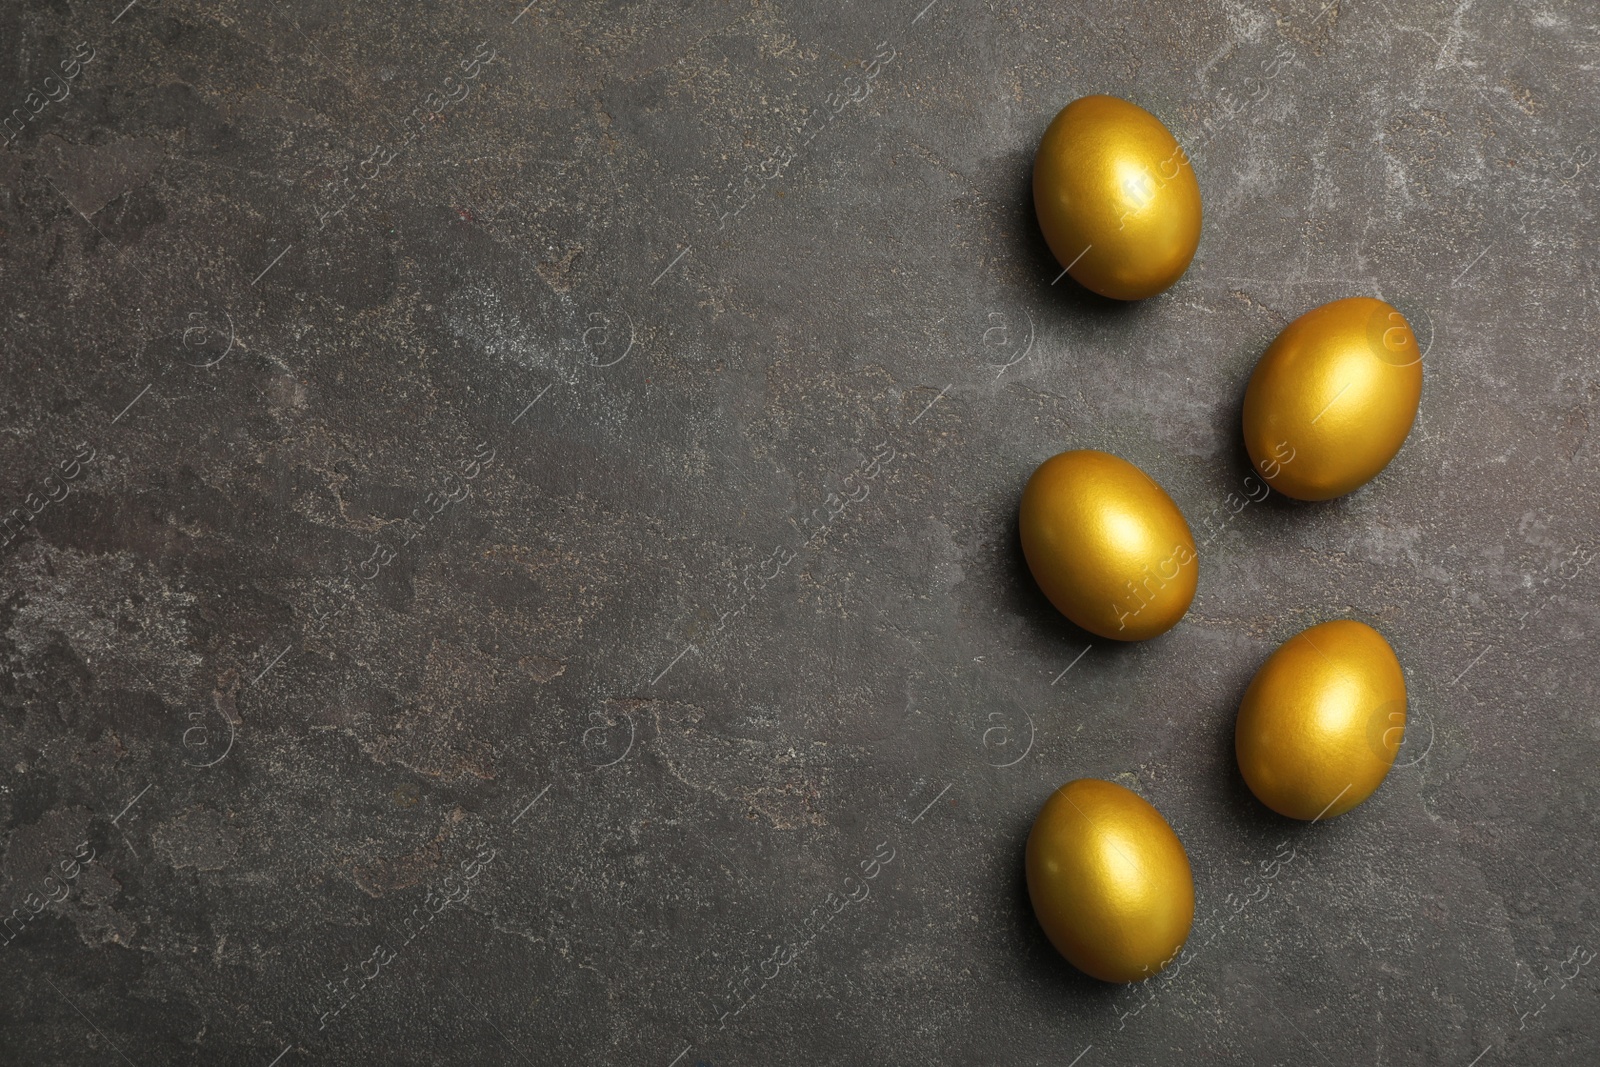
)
(518, 528)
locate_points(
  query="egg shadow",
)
(1235, 796)
(1040, 964)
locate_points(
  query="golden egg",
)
(1321, 723)
(1109, 881)
(1116, 198)
(1107, 545)
(1331, 401)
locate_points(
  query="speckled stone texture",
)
(511, 551)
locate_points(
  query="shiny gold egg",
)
(1109, 881)
(1333, 398)
(1116, 198)
(1321, 723)
(1107, 545)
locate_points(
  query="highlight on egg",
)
(1116, 198)
(1107, 545)
(1333, 398)
(1109, 881)
(1322, 721)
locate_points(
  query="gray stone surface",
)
(408, 723)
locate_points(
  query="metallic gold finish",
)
(1331, 401)
(1107, 545)
(1109, 881)
(1321, 723)
(1116, 198)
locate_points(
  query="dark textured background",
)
(631, 664)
